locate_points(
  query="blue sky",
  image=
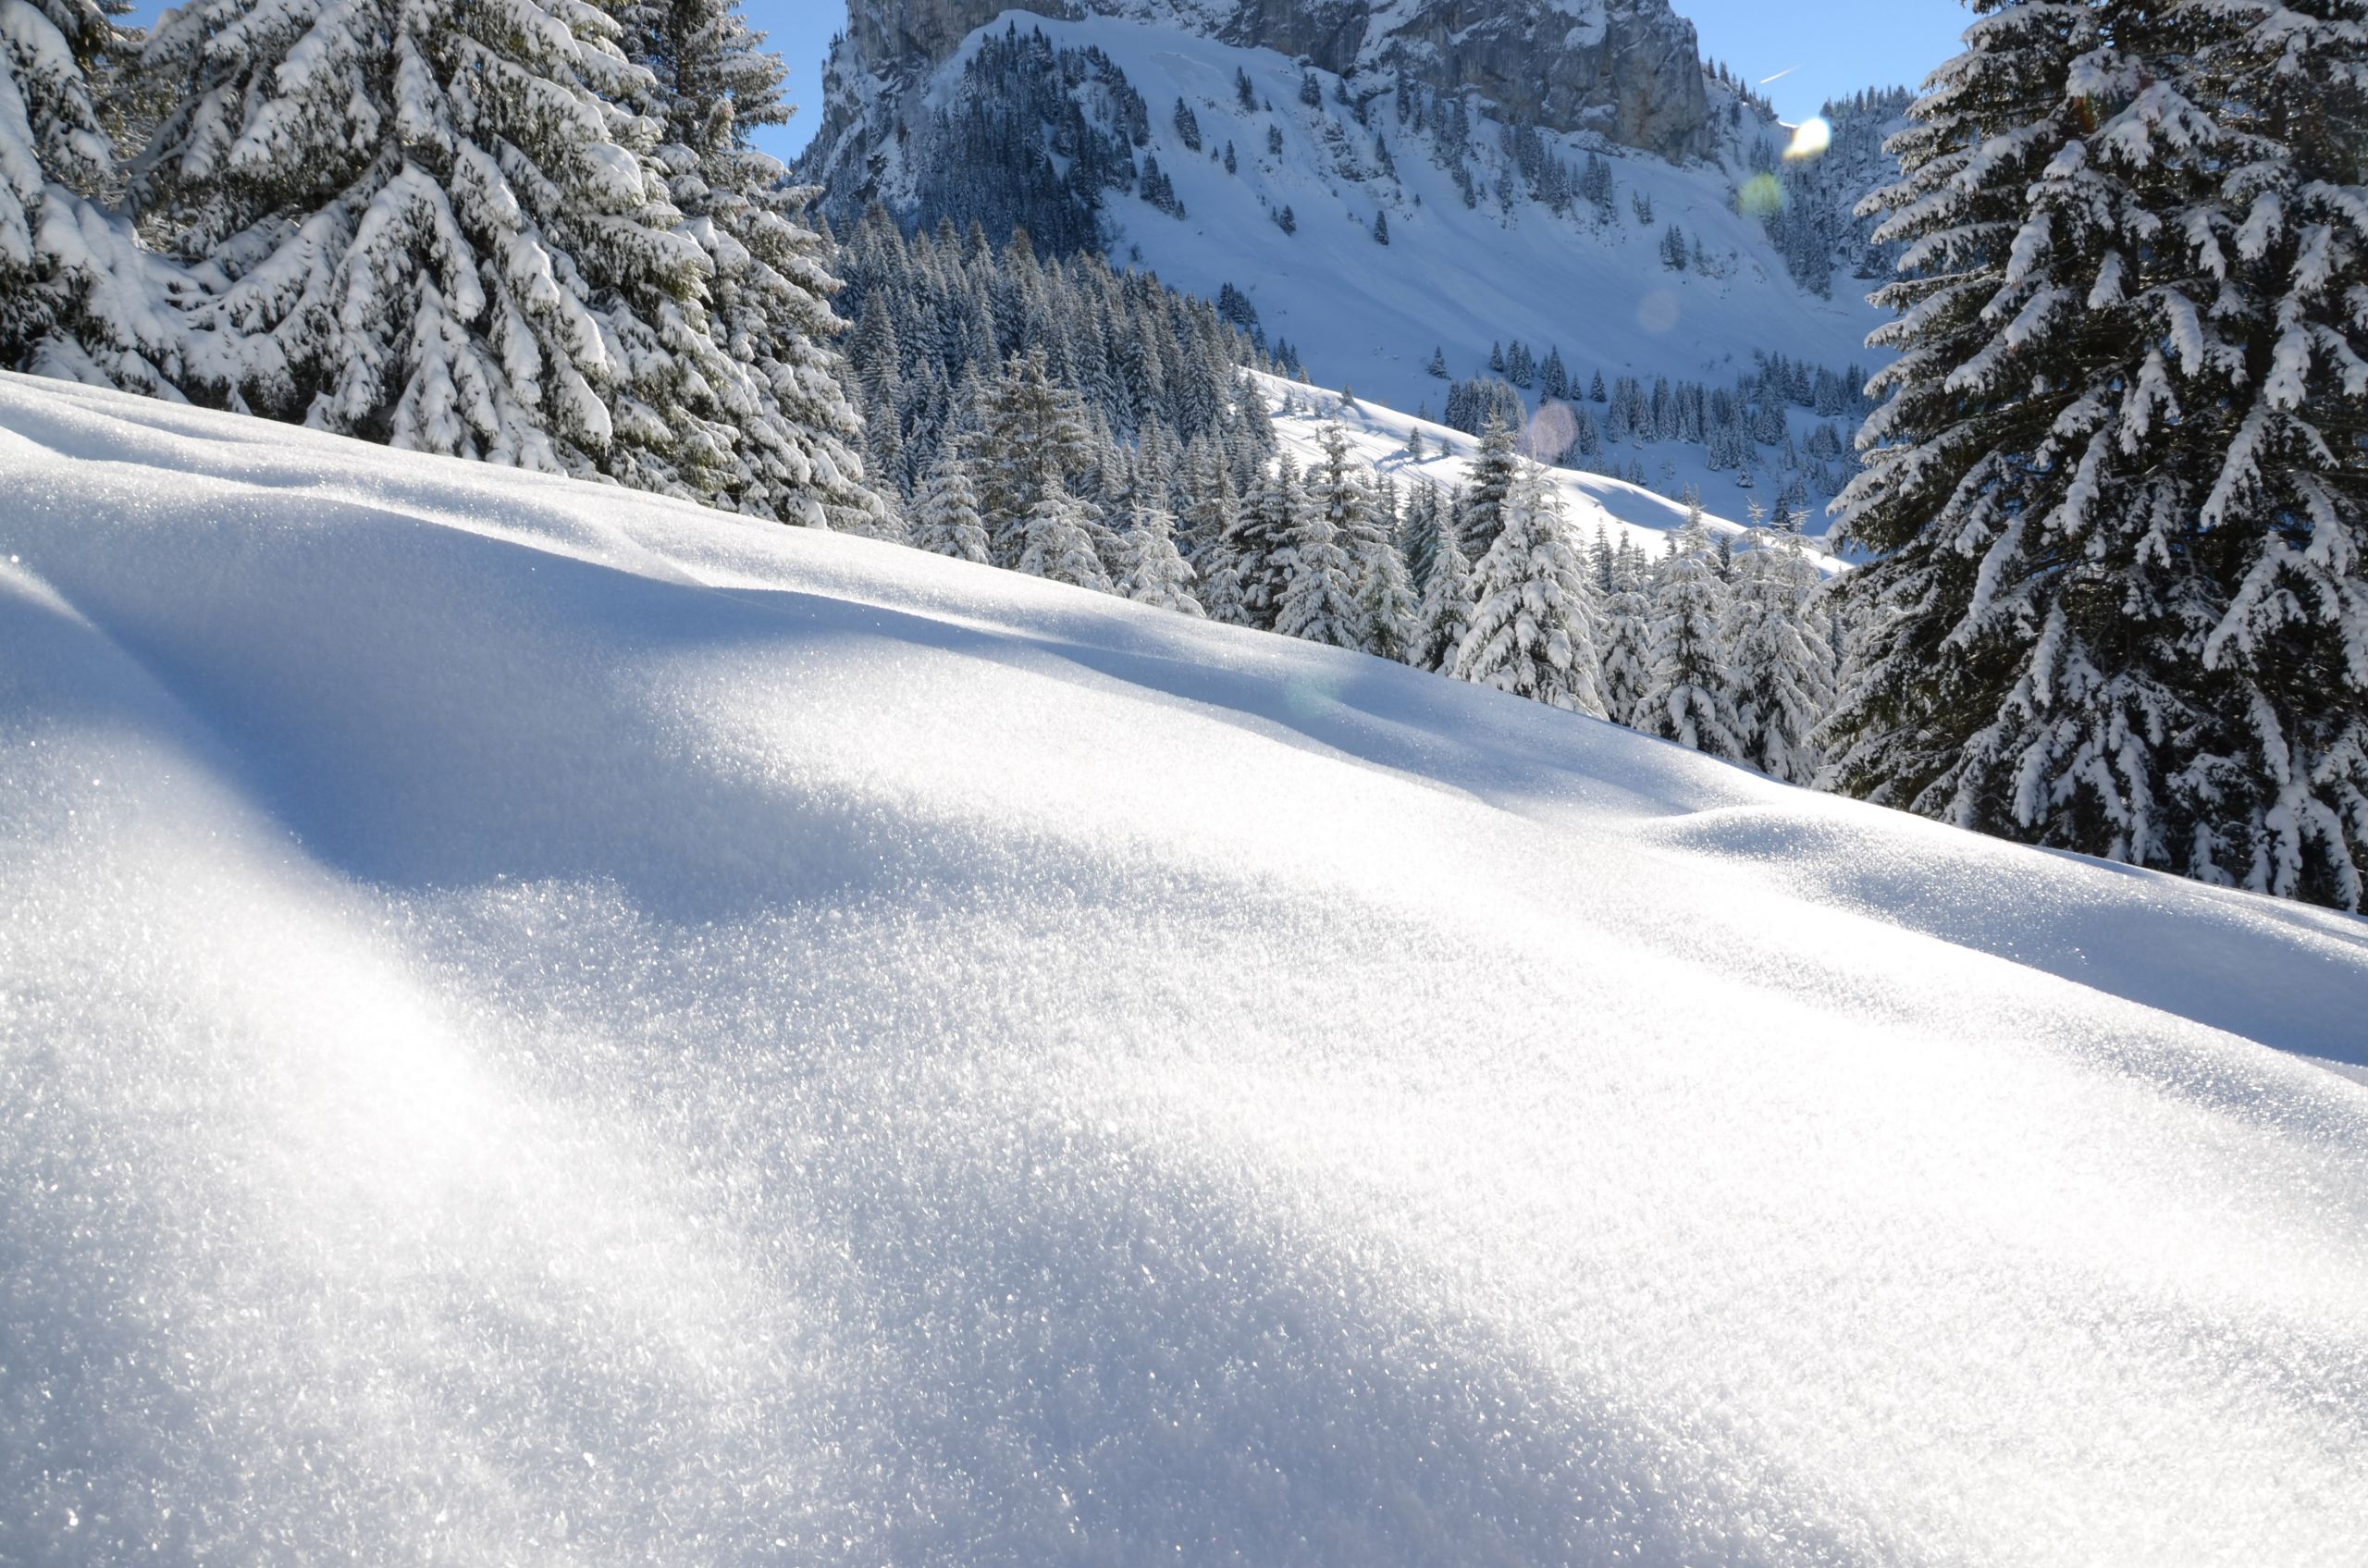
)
(1825, 47)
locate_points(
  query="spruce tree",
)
(1532, 619)
(1686, 690)
(769, 290)
(1029, 437)
(1779, 668)
(1384, 592)
(1261, 536)
(1319, 602)
(1155, 573)
(2115, 491)
(79, 296)
(1626, 645)
(1220, 586)
(1337, 490)
(1057, 541)
(441, 224)
(1491, 480)
(946, 516)
(2278, 788)
(1445, 611)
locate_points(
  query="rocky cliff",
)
(1627, 68)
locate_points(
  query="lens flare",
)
(1762, 196)
(1551, 432)
(1810, 137)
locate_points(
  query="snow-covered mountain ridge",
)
(541, 1023)
(1369, 227)
(1625, 68)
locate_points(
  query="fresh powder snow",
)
(539, 1023)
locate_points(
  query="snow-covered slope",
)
(1380, 437)
(1451, 276)
(542, 1025)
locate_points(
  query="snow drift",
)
(538, 1024)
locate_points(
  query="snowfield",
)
(1378, 437)
(543, 1025)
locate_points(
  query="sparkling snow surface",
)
(538, 1025)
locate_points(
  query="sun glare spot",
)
(1810, 137)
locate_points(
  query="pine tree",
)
(1336, 489)
(1155, 573)
(1686, 693)
(1029, 437)
(769, 289)
(79, 297)
(1261, 536)
(1779, 668)
(1626, 645)
(1319, 600)
(2279, 789)
(946, 516)
(1494, 468)
(1059, 541)
(442, 226)
(1390, 615)
(2115, 489)
(1220, 586)
(1533, 623)
(1446, 613)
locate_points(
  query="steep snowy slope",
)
(1592, 281)
(541, 1025)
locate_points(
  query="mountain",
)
(1627, 68)
(541, 1024)
(1369, 203)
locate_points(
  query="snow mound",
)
(541, 1024)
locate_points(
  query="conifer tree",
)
(1155, 573)
(1384, 592)
(1445, 611)
(1424, 524)
(1626, 643)
(1319, 598)
(1686, 692)
(1779, 668)
(441, 224)
(1057, 541)
(1212, 503)
(946, 516)
(1262, 534)
(79, 297)
(1220, 586)
(1493, 470)
(1532, 620)
(769, 290)
(2114, 490)
(1029, 437)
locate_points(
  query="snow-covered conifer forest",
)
(1686, 889)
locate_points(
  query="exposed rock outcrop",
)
(1628, 68)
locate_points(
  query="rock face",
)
(1628, 68)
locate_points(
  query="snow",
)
(1378, 436)
(1370, 315)
(539, 1023)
